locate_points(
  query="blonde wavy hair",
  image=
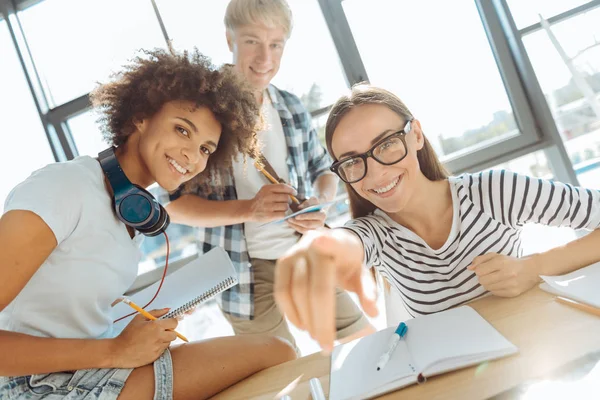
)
(272, 13)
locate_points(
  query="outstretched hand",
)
(307, 276)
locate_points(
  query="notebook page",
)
(353, 367)
(581, 285)
(183, 285)
(454, 339)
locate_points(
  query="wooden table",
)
(548, 335)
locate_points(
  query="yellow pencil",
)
(270, 177)
(148, 315)
(581, 306)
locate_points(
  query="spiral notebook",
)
(184, 289)
(434, 344)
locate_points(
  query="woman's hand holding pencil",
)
(147, 314)
(142, 341)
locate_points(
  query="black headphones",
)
(135, 206)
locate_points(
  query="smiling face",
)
(176, 142)
(388, 187)
(257, 50)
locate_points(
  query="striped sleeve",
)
(516, 199)
(372, 234)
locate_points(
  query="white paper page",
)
(183, 285)
(582, 285)
(454, 338)
(353, 366)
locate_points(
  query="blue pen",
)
(399, 333)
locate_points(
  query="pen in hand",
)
(399, 333)
(273, 180)
(148, 315)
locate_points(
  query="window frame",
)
(530, 110)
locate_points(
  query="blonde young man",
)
(257, 31)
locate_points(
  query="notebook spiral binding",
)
(200, 299)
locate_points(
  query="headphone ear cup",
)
(159, 222)
(160, 226)
(133, 205)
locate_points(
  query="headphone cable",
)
(161, 280)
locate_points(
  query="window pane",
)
(448, 79)
(526, 12)
(197, 23)
(78, 43)
(577, 116)
(310, 68)
(25, 145)
(538, 238)
(86, 134)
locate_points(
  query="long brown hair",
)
(362, 94)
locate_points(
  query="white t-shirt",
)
(273, 241)
(94, 263)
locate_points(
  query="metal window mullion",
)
(501, 157)
(59, 146)
(344, 42)
(163, 28)
(509, 71)
(60, 115)
(71, 108)
(563, 169)
(561, 17)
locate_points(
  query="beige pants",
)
(268, 319)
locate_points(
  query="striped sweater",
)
(490, 209)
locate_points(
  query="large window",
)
(25, 147)
(77, 43)
(310, 66)
(442, 68)
(566, 60)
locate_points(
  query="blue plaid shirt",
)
(307, 159)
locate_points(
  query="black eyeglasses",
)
(387, 151)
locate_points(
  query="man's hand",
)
(308, 221)
(270, 203)
(505, 276)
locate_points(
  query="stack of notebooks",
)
(434, 344)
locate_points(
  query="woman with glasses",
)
(439, 240)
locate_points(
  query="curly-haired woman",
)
(65, 256)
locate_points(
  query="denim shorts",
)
(85, 384)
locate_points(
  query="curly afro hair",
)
(159, 76)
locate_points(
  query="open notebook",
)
(433, 344)
(184, 289)
(581, 285)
